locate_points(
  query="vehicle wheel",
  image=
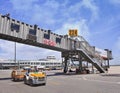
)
(31, 82)
(13, 79)
(44, 84)
(25, 81)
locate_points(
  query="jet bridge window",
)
(32, 32)
(58, 40)
(32, 35)
(15, 27)
(46, 36)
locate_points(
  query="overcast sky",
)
(98, 21)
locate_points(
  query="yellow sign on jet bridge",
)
(73, 32)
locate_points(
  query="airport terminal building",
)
(50, 62)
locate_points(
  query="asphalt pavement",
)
(57, 82)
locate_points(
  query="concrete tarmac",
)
(57, 82)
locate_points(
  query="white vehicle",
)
(35, 78)
(41, 67)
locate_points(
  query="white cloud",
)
(7, 49)
(81, 26)
(24, 51)
(23, 5)
(47, 12)
(118, 44)
(41, 15)
(31, 52)
(116, 52)
(90, 4)
(34, 11)
(115, 60)
(76, 10)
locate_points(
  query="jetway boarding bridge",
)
(75, 48)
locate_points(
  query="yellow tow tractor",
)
(33, 77)
(18, 74)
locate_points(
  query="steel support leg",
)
(87, 64)
(80, 64)
(108, 63)
(92, 69)
(66, 66)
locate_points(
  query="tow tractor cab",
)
(18, 74)
(35, 77)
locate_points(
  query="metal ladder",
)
(89, 53)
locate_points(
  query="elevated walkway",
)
(17, 31)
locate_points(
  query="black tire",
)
(13, 79)
(31, 82)
(44, 84)
(45, 81)
(25, 81)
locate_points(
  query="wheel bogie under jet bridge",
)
(17, 31)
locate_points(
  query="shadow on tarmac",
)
(7, 78)
(111, 75)
(63, 74)
(56, 74)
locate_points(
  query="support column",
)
(87, 64)
(101, 64)
(108, 63)
(109, 55)
(92, 69)
(80, 66)
(79, 70)
(66, 66)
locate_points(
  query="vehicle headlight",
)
(31, 77)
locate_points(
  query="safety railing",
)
(81, 43)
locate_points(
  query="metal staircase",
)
(90, 60)
(89, 53)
